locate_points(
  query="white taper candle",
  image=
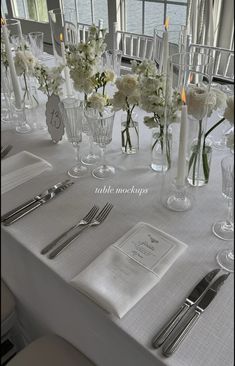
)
(181, 165)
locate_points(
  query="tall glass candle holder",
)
(61, 24)
(193, 72)
(167, 41)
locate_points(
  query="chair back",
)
(71, 34)
(223, 68)
(133, 46)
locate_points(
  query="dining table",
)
(46, 301)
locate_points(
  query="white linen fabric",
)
(120, 276)
(19, 168)
(46, 301)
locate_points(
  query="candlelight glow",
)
(3, 21)
(167, 23)
(191, 77)
(183, 96)
(61, 37)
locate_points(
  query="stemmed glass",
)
(225, 257)
(101, 125)
(72, 112)
(91, 158)
(224, 229)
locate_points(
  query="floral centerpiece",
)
(153, 100)
(49, 79)
(25, 63)
(83, 61)
(126, 98)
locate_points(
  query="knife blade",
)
(33, 200)
(190, 300)
(51, 195)
(174, 342)
(5, 150)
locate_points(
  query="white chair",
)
(83, 32)
(11, 341)
(50, 350)
(223, 69)
(71, 33)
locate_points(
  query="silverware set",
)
(177, 328)
(37, 201)
(92, 218)
(5, 150)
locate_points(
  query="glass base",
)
(225, 259)
(197, 182)
(159, 168)
(103, 171)
(77, 171)
(90, 159)
(24, 128)
(129, 151)
(178, 204)
(223, 231)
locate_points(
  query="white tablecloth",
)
(48, 303)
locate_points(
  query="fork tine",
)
(93, 211)
(105, 211)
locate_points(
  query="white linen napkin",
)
(19, 168)
(120, 276)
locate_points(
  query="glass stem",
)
(77, 155)
(91, 146)
(103, 160)
(229, 219)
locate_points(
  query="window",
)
(31, 10)
(147, 14)
(89, 11)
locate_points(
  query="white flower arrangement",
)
(145, 68)
(49, 79)
(83, 61)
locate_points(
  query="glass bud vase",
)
(161, 149)
(200, 153)
(29, 99)
(129, 133)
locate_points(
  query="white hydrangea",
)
(24, 62)
(119, 101)
(127, 84)
(145, 68)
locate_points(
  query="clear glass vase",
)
(161, 149)
(29, 99)
(129, 134)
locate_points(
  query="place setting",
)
(125, 116)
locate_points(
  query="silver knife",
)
(51, 195)
(195, 294)
(34, 199)
(5, 150)
(174, 342)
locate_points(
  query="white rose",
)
(229, 110)
(197, 100)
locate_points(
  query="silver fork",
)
(86, 220)
(96, 221)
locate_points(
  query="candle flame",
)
(61, 37)
(3, 21)
(167, 23)
(183, 96)
(191, 77)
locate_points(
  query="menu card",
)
(120, 276)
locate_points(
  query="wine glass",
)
(225, 257)
(91, 158)
(72, 111)
(224, 229)
(101, 125)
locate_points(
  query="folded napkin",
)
(20, 168)
(120, 276)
